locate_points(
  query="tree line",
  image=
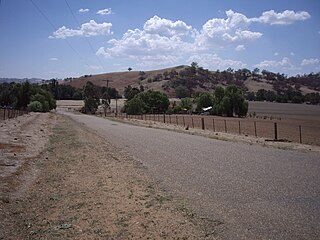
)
(289, 96)
(25, 95)
(224, 102)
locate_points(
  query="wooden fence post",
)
(192, 122)
(164, 118)
(275, 131)
(202, 123)
(300, 134)
(184, 123)
(225, 126)
(213, 125)
(239, 128)
(255, 128)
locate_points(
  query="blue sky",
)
(47, 39)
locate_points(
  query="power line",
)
(54, 28)
(87, 40)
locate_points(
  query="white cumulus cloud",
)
(84, 10)
(285, 63)
(213, 61)
(162, 26)
(284, 18)
(87, 29)
(160, 42)
(163, 41)
(106, 11)
(94, 68)
(310, 61)
(157, 60)
(233, 29)
(53, 59)
(240, 48)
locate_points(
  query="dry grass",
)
(120, 80)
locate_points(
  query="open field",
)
(298, 113)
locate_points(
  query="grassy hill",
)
(120, 80)
(196, 79)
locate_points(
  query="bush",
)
(35, 106)
(46, 100)
(177, 109)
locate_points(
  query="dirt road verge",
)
(87, 189)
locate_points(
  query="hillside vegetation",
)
(189, 81)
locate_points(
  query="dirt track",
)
(80, 187)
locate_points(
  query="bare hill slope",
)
(120, 80)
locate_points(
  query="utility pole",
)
(116, 103)
(106, 102)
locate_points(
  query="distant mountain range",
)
(19, 80)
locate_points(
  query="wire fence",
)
(275, 130)
(7, 112)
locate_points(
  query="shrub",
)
(35, 106)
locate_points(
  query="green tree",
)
(78, 94)
(130, 92)
(261, 95)
(256, 71)
(230, 102)
(251, 96)
(204, 100)
(218, 94)
(147, 102)
(182, 92)
(54, 88)
(23, 95)
(91, 98)
(226, 106)
(155, 101)
(134, 106)
(237, 101)
(186, 103)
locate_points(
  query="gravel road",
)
(257, 192)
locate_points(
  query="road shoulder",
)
(87, 189)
